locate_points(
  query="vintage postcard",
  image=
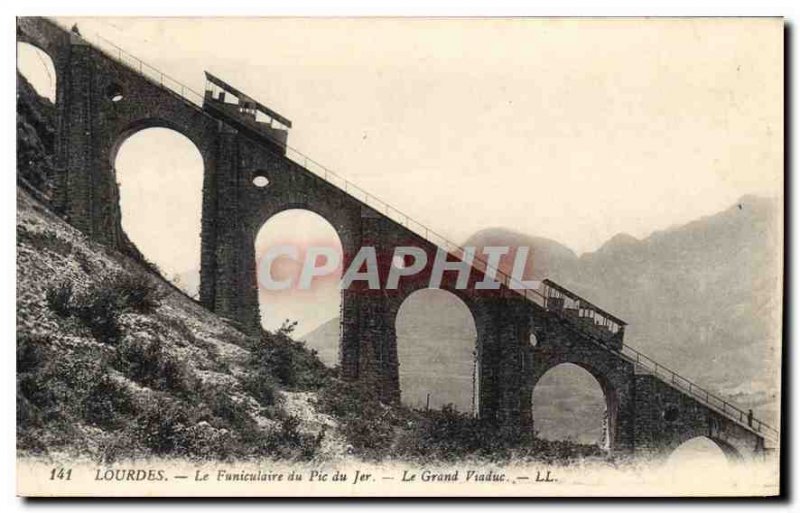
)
(406, 257)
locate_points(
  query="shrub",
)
(368, 425)
(57, 389)
(262, 386)
(149, 364)
(28, 415)
(59, 298)
(101, 304)
(109, 403)
(100, 313)
(220, 429)
(449, 434)
(135, 291)
(206, 442)
(181, 329)
(168, 427)
(288, 442)
(162, 428)
(31, 353)
(185, 336)
(289, 361)
(233, 412)
(44, 241)
(49, 381)
(248, 439)
(245, 438)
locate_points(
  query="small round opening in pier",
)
(671, 414)
(114, 92)
(260, 181)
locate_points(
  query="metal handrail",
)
(632, 355)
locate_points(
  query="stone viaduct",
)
(103, 97)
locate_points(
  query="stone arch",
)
(323, 289)
(465, 370)
(608, 394)
(731, 453)
(144, 123)
(46, 61)
(268, 210)
(406, 289)
(544, 363)
(475, 306)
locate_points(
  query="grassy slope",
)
(170, 378)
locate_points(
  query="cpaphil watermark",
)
(494, 265)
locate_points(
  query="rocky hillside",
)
(114, 362)
(35, 140)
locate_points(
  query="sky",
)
(570, 129)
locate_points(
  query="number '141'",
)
(61, 473)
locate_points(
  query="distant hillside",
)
(325, 340)
(545, 258)
(702, 298)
